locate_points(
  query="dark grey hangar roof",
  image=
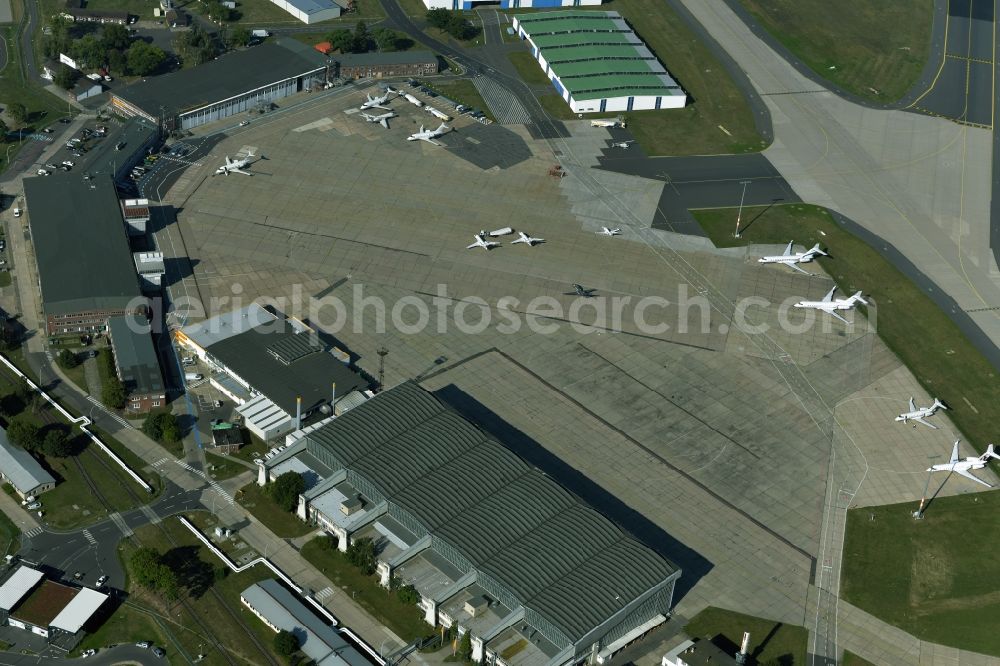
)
(84, 261)
(556, 554)
(227, 76)
(134, 354)
(284, 365)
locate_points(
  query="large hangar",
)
(233, 83)
(492, 544)
(597, 63)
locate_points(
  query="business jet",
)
(483, 243)
(960, 466)
(377, 102)
(790, 258)
(382, 120)
(579, 290)
(829, 304)
(236, 166)
(429, 135)
(610, 122)
(918, 413)
(609, 232)
(526, 239)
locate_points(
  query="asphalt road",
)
(104, 657)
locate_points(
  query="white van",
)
(17, 212)
(193, 376)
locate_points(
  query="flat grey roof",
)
(84, 261)
(313, 6)
(19, 584)
(282, 365)
(555, 554)
(227, 76)
(215, 329)
(134, 354)
(320, 642)
(20, 468)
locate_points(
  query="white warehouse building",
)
(597, 63)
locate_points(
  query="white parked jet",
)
(526, 239)
(483, 243)
(829, 305)
(429, 135)
(918, 413)
(608, 122)
(236, 166)
(382, 120)
(376, 102)
(790, 258)
(962, 467)
(609, 232)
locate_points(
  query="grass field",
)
(149, 617)
(935, 578)
(770, 642)
(223, 467)
(403, 619)
(713, 100)
(556, 106)
(851, 659)
(940, 356)
(283, 523)
(872, 49)
(527, 68)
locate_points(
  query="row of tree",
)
(113, 392)
(362, 40)
(149, 571)
(453, 22)
(113, 49)
(55, 443)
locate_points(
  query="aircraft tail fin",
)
(815, 250)
(939, 405)
(990, 453)
(858, 298)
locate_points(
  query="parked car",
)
(3, 246)
(102, 580)
(143, 644)
(159, 652)
(88, 653)
(258, 461)
(51, 166)
(244, 123)
(35, 505)
(48, 130)
(17, 212)
(69, 163)
(43, 172)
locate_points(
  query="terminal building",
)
(281, 610)
(493, 545)
(277, 370)
(60, 613)
(20, 469)
(379, 65)
(597, 63)
(234, 83)
(84, 261)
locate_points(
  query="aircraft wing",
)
(913, 407)
(794, 266)
(834, 314)
(384, 122)
(829, 295)
(379, 106)
(431, 141)
(788, 250)
(968, 475)
(954, 453)
(469, 247)
(245, 173)
(929, 425)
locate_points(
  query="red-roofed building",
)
(324, 47)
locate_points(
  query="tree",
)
(362, 40)
(57, 444)
(24, 434)
(144, 58)
(240, 37)
(68, 359)
(452, 22)
(386, 39)
(89, 52)
(286, 489)
(162, 427)
(342, 40)
(117, 62)
(113, 393)
(114, 36)
(285, 643)
(18, 112)
(465, 646)
(194, 46)
(3, 137)
(361, 553)
(65, 77)
(149, 571)
(438, 18)
(407, 594)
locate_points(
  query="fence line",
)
(82, 421)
